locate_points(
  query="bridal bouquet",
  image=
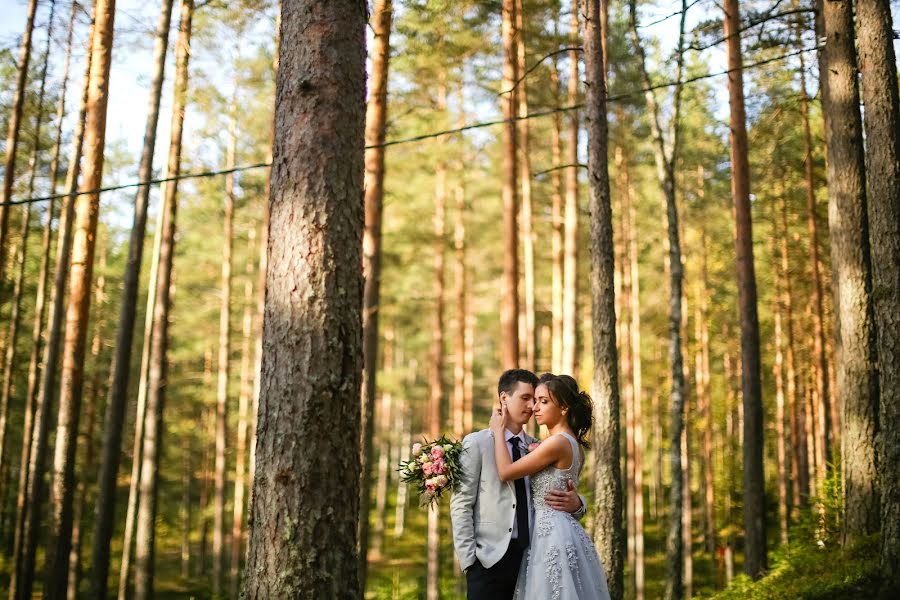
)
(434, 468)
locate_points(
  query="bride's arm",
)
(547, 453)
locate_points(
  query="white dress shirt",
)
(523, 449)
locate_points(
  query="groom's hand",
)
(564, 500)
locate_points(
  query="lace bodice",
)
(551, 478)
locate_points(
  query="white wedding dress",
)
(561, 562)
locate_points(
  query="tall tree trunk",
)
(71, 380)
(754, 483)
(28, 520)
(186, 503)
(705, 399)
(402, 488)
(115, 406)
(823, 392)
(244, 400)
(509, 302)
(15, 316)
(145, 533)
(686, 513)
(665, 153)
(223, 370)
(608, 482)
(376, 119)
(40, 308)
(140, 412)
(857, 377)
(384, 448)
(570, 216)
(526, 217)
(325, 115)
(12, 138)
(778, 370)
(879, 79)
(461, 375)
(556, 216)
(87, 434)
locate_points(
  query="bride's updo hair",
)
(580, 408)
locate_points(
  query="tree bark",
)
(608, 482)
(526, 218)
(12, 138)
(461, 375)
(15, 313)
(882, 121)
(40, 304)
(778, 370)
(145, 535)
(823, 391)
(570, 210)
(83, 245)
(312, 339)
(376, 120)
(223, 369)
(28, 520)
(115, 406)
(509, 302)
(857, 377)
(244, 400)
(755, 559)
(87, 435)
(557, 225)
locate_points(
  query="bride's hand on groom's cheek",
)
(498, 418)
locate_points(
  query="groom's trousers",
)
(498, 582)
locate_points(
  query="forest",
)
(251, 251)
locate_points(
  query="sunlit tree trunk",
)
(145, 532)
(83, 245)
(244, 400)
(87, 434)
(754, 493)
(115, 407)
(607, 508)
(12, 138)
(461, 375)
(509, 302)
(28, 520)
(40, 305)
(384, 449)
(556, 235)
(856, 362)
(376, 119)
(778, 370)
(15, 316)
(570, 210)
(526, 218)
(882, 120)
(224, 370)
(319, 137)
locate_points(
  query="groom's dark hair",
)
(511, 378)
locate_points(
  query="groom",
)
(493, 519)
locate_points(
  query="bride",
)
(561, 562)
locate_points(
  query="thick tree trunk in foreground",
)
(607, 507)
(115, 407)
(83, 244)
(312, 339)
(754, 493)
(857, 377)
(376, 120)
(12, 138)
(882, 120)
(145, 532)
(509, 301)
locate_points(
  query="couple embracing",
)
(515, 510)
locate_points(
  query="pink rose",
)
(533, 446)
(437, 452)
(442, 481)
(416, 449)
(428, 468)
(437, 466)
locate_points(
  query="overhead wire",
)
(422, 137)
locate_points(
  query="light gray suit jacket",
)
(482, 508)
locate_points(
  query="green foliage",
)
(805, 571)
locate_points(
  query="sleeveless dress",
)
(561, 562)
